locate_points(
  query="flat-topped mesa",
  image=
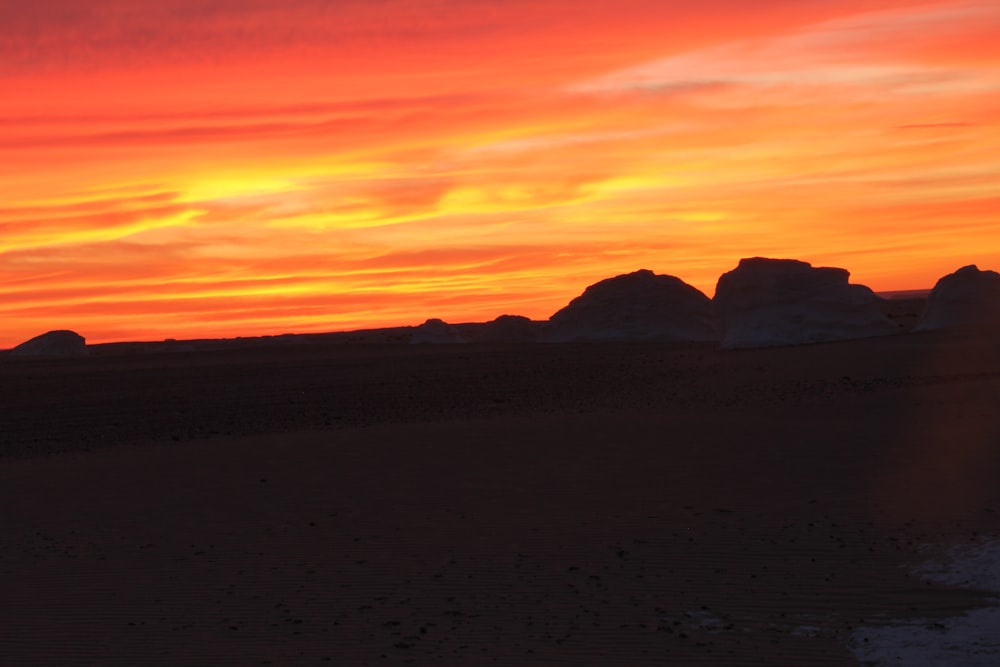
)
(435, 331)
(771, 302)
(61, 343)
(966, 298)
(639, 306)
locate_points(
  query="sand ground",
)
(473, 505)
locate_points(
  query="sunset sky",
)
(194, 168)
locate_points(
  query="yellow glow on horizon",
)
(85, 236)
(217, 188)
(511, 198)
(702, 216)
(362, 218)
(636, 183)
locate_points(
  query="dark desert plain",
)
(320, 501)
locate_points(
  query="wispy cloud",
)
(191, 168)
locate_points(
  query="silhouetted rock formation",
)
(770, 302)
(968, 297)
(53, 344)
(640, 306)
(435, 331)
(509, 329)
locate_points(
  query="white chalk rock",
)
(967, 298)
(435, 331)
(53, 344)
(770, 302)
(509, 329)
(639, 306)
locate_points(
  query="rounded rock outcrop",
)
(509, 329)
(770, 302)
(435, 331)
(968, 297)
(639, 306)
(62, 343)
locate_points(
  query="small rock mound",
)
(509, 329)
(967, 298)
(435, 331)
(770, 302)
(53, 344)
(639, 306)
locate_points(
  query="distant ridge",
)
(639, 306)
(905, 294)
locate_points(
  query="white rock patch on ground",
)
(972, 640)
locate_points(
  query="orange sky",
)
(187, 169)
